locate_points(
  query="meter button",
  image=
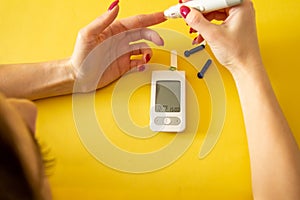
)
(159, 121)
(167, 121)
(175, 121)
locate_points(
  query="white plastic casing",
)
(168, 121)
(203, 6)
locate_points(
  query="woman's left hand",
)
(105, 47)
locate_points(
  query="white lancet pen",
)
(203, 6)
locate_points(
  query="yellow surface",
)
(33, 30)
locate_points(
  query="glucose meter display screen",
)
(167, 98)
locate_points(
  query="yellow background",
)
(34, 30)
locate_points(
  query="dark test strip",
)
(204, 68)
(187, 53)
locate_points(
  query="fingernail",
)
(147, 58)
(180, 1)
(195, 41)
(162, 42)
(113, 4)
(192, 30)
(141, 68)
(184, 11)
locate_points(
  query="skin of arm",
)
(36, 80)
(274, 154)
(40, 80)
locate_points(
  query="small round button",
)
(167, 120)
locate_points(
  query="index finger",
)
(144, 20)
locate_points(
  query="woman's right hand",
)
(234, 42)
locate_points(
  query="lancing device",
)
(204, 6)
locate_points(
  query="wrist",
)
(60, 78)
(254, 72)
(248, 66)
(70, 69)
(251, 77)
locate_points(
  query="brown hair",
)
(13, 182)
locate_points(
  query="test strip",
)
(204, 68)
(187, 53)
(173, 60)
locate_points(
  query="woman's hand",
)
(104, 48)
(234, 42)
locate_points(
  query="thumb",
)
(102, 22)
(197, 21)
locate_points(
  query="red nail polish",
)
(180, 1)
(147, 58)
(192, 30)
(141, 68)
(113, 4)
(195, 41)
(184, 11)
